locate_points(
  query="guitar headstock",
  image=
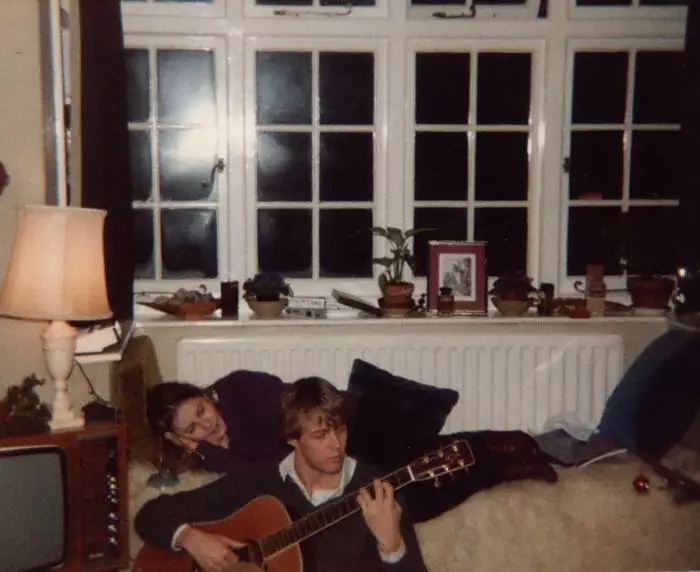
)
(449, 458)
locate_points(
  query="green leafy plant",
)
(266, 287)
(399, 256)
(21, 410)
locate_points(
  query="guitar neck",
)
(325, 517)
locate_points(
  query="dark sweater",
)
(348, 546)
(249, 404)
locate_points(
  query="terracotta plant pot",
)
(653, 292)
(398, 291)
(264, 310)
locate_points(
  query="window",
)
(624, 144)
(528, 126)
(314, 148)
(174, 110)
(471, 152)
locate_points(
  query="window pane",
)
(603, 2)
(143, 245)
(440, 166)
(284, 2)
(186, 86)
(189, 242)
(595, 170)
(347, 167)
(284, 241)
(503, 88)
(652, 240)
(658, 88)
(464, 2)
(663, 2)
(346, 2)
(656, 164)
(141, 164)
(283, 81)
(594, 238)
(434, 103)
(186, 158)
(345, 243)
(187, 1)
(600, 87)
(450, 224)
(505, 232)
(284, 166)
(137, 85)
(501, 166)
(346, 88)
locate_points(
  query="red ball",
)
(641, 484)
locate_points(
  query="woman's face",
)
(198, 419)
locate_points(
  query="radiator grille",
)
(509, 381)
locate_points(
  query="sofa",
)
(592, 519)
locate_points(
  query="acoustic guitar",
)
(271, 540)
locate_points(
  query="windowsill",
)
(344, 319)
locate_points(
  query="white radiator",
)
(511, 381)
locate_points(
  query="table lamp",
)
(57, 273)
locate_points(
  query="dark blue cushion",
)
(658, 397)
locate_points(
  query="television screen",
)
(32, 508)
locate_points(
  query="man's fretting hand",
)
(211, 551)
(382, 515)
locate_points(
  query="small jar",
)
(445, 302)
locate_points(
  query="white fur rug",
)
(592, 520)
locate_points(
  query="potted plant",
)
(513, 294)
(647, 288)
(397, 293)
(266, 294)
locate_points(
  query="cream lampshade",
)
(57, 273)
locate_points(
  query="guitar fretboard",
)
(325, 517)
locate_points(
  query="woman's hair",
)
(309, 395)
(163, 400)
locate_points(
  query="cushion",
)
(423, 407)
(657, 399)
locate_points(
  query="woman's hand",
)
(211, 551)
(382, 515)
(180, 441)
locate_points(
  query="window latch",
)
(326, 13)
(217, 168)
(469, 14)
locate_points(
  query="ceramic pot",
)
(511, 307)
(653, 292)
(266, 310)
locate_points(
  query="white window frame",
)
(528, 11)
(546, 253)
(317, 286)
(152, 42)
(316, 11)
(625, 202)
(635, 11)
(213, 9)
(475, 47)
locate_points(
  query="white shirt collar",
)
(319, 496)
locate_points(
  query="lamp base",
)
(57, 424)
(59, 349)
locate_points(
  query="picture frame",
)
(461, 266)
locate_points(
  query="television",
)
(64, 500)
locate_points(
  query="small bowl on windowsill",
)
(512, 308)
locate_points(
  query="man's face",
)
(321, 447)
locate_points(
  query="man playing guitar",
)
(317, 472)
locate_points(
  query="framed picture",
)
(462, 267)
